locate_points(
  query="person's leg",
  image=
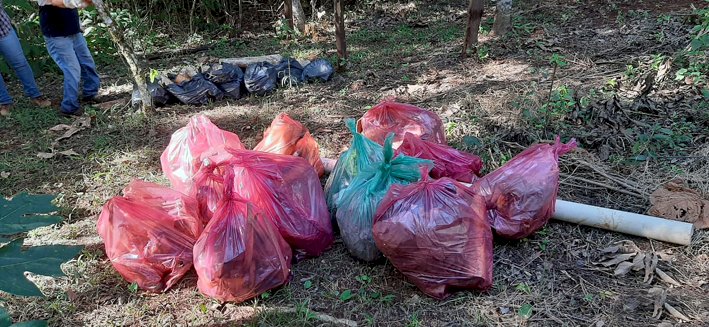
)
(12, 52)
(62, 51)
(88, 67)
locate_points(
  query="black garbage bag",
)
(158, 93)
(318, 69)
(289, 72)
(195, 91)
(260, 78)
(229, 78)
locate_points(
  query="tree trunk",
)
(340, 34)
(288, 12)
(475, 14)
(126, 50)
(298, 17)
(503, 18)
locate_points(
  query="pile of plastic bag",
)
(238, 216)
(222, 80)
(242, 217)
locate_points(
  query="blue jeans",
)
(74, 59)
(12, 52)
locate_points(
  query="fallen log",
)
(655, 228)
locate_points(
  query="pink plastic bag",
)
(448, 162)
(240, 254)
(436, 233)
(521, 195)
(288, 136)
(145, 244)
(286, 189)
(208, 189)
(399, 118)
(182, 157)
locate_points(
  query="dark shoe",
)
(89, 100)
(41, 102)
(76, 113)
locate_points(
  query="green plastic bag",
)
(361, 154)
(357, 203)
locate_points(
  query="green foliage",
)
(525, 311)
(558, 60)
(24, 213)
(6, 321)
(19, 215)
(346, 296)
(42, 260)
(650, 142)
(524, 288)
(696, 57)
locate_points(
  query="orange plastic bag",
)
(240, 255)
(182, 157)
(284, 187)
(289, 137)
(521, 195)
(145, 243)
(436, 233)
(399, 118)
(447, 161)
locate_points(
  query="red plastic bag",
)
(174, 203)
(436, 233)
(208, 190)
(289, 137)
(182, 157)
(288, 191)
(399, 118)
(240, 253)
(447, 161)
(146, 244)
(521, 195)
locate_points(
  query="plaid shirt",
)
(5, 22)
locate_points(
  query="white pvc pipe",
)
(660, 229)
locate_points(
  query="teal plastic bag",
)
(361, 154)
(357, 204)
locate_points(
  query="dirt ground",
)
(494, 104)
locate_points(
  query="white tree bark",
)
(298, 17)
(503, 18)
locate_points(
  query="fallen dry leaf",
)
(659, 297)
(625, 246)
(675, 313)
(48, 155)
(69, 133)
(617, 259)
(45, 155)
(666, 278)
(60, 127)
(638, 261)
(675, 201)
(622, 269)
(650, 265)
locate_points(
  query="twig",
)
(615, 179)
(604, 185)
(317, 315)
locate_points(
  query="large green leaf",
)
(26, 212)
(42, 260)
(6, 321)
